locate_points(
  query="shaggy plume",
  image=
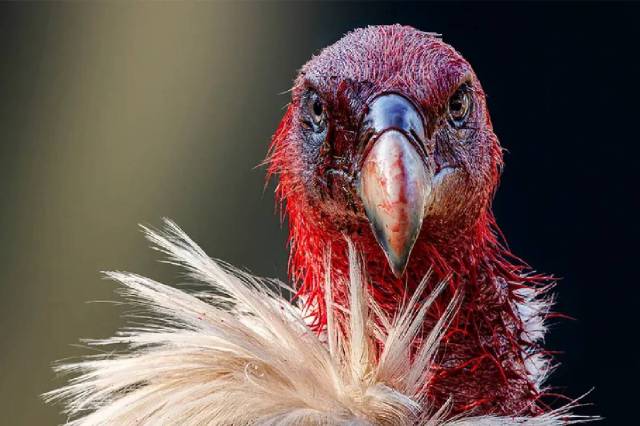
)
(240, 353)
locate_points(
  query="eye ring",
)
(459, 106)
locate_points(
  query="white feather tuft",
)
(243, 355)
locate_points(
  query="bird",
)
(405, 305)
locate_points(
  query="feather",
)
(242, 354)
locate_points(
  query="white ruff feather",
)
(241, 354)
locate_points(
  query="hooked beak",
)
(395, 184)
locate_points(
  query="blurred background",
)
(115, 114)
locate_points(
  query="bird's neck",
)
(474, 260)
(487, 344)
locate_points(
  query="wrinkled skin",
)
(321, 153)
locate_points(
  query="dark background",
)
(115, 114)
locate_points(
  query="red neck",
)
(473, 259)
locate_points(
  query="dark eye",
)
(459, 106)
(317, 111)
(315, 114)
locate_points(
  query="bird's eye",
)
(317, 111)
(315, 114)
(459, 106)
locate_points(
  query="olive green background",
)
(114, 114)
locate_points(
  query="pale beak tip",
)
(397, 260)
(398, 267)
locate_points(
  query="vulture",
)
(404, 305)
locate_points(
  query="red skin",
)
(482, 364)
